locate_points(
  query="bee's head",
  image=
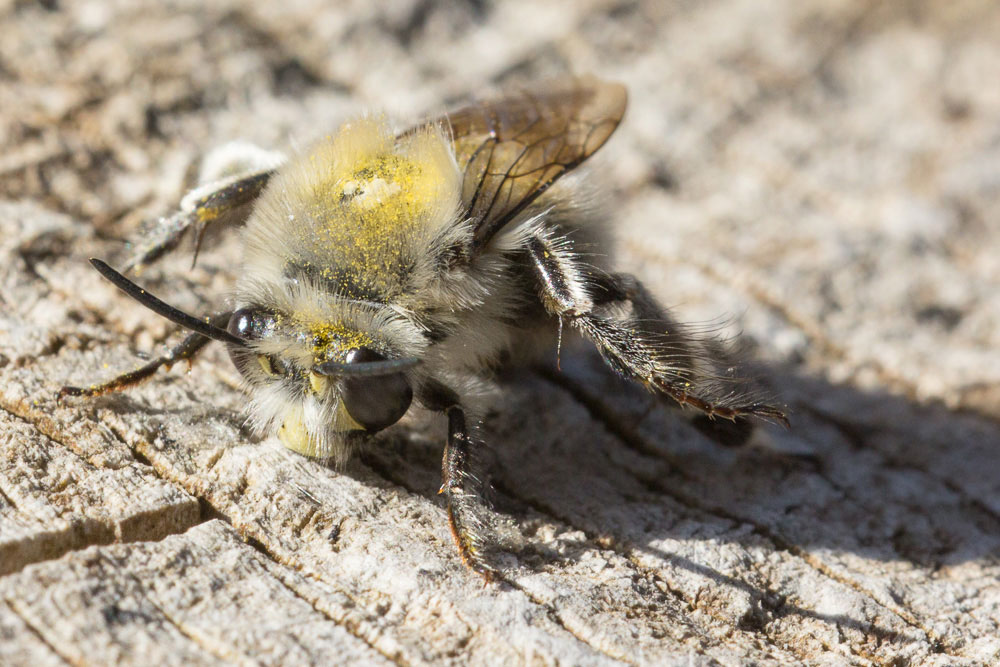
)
(321, 368)
(319, 381)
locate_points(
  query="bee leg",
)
(460, 484)
(199, 210)
(639, 339)
(186, 350)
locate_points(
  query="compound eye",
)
(250, 324)
(375, 401)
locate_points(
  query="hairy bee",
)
(383, 268)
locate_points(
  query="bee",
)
(382, 269)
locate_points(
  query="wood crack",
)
(630, 552)
(556, 618)
(183, 631)
(633, 440)
(551, 611)
(850, 434)
(108, 529)
(343, 620)
(597, 544)
(12, 605)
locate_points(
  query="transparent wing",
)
(512, 149)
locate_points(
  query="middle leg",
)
(460, 485)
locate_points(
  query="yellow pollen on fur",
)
(333, 340)
(375, 197)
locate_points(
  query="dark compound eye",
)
(375, 401)
(251, 324)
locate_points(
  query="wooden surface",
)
(826, 174)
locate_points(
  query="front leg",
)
(186, 350)
(639, 339)
(233, 176)
(461, 487)
(198, 213)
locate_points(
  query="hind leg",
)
(639, 339)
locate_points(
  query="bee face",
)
(317, 384)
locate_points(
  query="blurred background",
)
(837, 162)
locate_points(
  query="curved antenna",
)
(365, 368)
(164, 309)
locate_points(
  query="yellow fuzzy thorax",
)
(369, 199)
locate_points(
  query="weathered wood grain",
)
(825, 174)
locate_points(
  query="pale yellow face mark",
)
(318, 383)
(295, 436)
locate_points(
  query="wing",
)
(514, 148)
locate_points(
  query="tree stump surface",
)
(825, 174)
